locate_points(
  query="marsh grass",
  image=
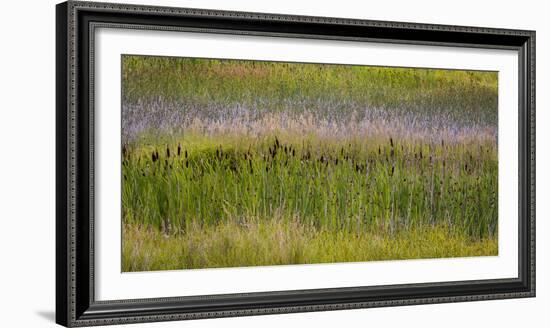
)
(275, 242)
(239, 163)
(349, 185)
(331, 90)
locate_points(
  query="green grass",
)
(341, 186)
(275, 242)
(240, 163)
(332, 90)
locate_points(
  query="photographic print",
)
(218, 163)
(232, 163)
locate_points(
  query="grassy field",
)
(275, 242)
(240, 163)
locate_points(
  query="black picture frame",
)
(75, 302)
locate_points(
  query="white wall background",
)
(27, 162)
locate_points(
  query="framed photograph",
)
(214, 163)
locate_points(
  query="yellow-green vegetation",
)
(272, 242)
(240, 163)
(330, 90)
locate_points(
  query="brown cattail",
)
(186, 154)
(154, 158)
(391, 142)
(179, 150)
(167, 151)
